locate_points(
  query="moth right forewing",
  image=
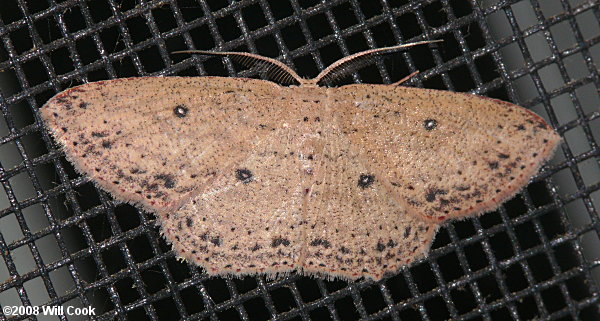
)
(444, 155)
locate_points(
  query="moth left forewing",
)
(154, 141)
(441, 154)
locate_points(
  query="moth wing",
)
(442, 154)
(154, 141)
(354, 226)
(249, 221)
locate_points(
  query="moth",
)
(247, 176)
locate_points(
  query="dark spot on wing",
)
(280, 241)
(321, 242)
(100, 134)
(462, 187)
(429, 124)
(180, 111)
(365, 180)
(168, 179)
(244, 175)
(137, 171)
(432, 192)
(216, 241)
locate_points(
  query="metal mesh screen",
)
(63, 242)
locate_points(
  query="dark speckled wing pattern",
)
(157, 141)
(250, 177)
(444, 155)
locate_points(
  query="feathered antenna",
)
(356, 61)
(271, 68)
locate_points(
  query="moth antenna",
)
(358, 60)
(273, 69)
(405, 79)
